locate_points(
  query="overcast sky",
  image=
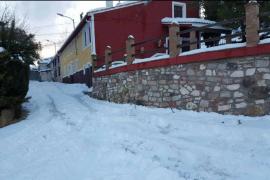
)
(42, 20)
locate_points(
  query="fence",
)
(251, 35)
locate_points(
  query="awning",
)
(195, 22)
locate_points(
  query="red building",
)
(111, 26)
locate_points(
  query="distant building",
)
(34, 73)
(45, 69)
(56, 68)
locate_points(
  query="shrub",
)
(20, 50)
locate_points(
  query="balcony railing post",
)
(174, 40)
(108, 57)
(252, 23)
(130, 49)
(193, 39)
(228, 39)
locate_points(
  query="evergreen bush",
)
(20, 50)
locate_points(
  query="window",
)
(178, 10)
(85, 39)
(86, 35)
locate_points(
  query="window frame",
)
(86, 36)
(184, 8)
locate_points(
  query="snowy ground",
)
(69, 136)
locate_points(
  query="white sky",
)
(42, 20)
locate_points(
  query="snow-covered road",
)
(69, 136)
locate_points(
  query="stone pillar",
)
(193, 38)
(228, 38)
(130, 50)
(174, 40)
(160, 43)
(125, 57)
(94, 61)
(108, 56)
(252, 23)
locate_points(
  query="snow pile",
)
(69, 136)
(220, 47)
(2, 49)
(116, 64)
(100, 69)
(265, 41)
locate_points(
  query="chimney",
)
(109, 3)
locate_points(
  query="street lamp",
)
(59, 14)
(54, 45)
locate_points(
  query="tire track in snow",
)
(79, 99)
(68, 117)
(53, 109)
(57, 114)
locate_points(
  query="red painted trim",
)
(200, 57)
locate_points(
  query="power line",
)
(58, 42)
(47, 45)
(102, 20)
(52, 34)
(49, 25)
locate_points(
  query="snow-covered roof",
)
(195, 22)
(118, 5)
(33, 67)
(169, 20)
(45, 61)
(45, 70)
(2, 49)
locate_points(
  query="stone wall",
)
(229, 86)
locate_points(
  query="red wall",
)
(200, 57)
(143, 21)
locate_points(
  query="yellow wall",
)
(69, 56)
